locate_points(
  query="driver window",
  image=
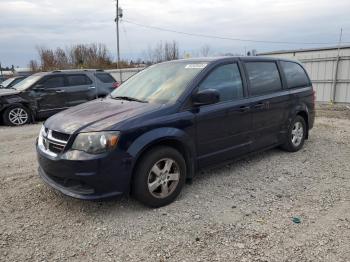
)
(54, 81)
(226, 79)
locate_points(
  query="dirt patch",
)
(333, 111)
(239, 212)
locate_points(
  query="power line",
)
(224, 37)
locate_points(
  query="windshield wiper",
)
(128, 98)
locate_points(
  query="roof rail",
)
(56, 71)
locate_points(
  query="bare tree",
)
(89, 56)
(33, 65)
(163, 52)
(158, 53)
(77, 56)
(205, 50)
(171, 51)
(61, 59)
(47, 58)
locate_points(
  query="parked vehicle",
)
(2, 78)
(9, 83)
(44, 94)
(172, 119)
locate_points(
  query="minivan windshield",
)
(27, 82)
(160, 83)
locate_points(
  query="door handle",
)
(244, 108)
(92, 87)
(60, 91)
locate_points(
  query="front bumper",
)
(81, 176)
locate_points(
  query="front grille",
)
(55, 148)
(55, 141)
(60, 136)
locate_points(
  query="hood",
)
(97, 115)
(7, 92)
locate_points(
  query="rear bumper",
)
(86, 178)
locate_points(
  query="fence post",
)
(334, 85)
(335, 79)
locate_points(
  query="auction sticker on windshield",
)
(192, 66)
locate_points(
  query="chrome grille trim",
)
(55, 140)
(47, 143)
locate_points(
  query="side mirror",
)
(206, 97)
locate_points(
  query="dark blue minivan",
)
(171, 119)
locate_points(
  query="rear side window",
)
(78, 80)
(105, 78)
(225, 79)
(54, 81)
(263, 77)
(295, 75)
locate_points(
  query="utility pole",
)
(119, 14)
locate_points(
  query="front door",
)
(50, 95)
(222, 129)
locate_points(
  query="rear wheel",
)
(296, 135)
(16, 116)
(159, 177)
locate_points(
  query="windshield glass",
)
(161, 83)
(6, 82)
(26, 83)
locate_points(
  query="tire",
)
(295, 135)
(16, 116)
(154, 184)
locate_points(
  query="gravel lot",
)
(238, 212)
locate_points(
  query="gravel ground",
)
(238, 212)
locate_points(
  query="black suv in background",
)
(44, 94)
(169, 120)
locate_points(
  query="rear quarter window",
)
(264, 77)
(295, 75)
(105, 78)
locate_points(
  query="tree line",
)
(98, 56)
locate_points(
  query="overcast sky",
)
(26, 24)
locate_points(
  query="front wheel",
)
(159, 177)
(16, 116)
(296, 135)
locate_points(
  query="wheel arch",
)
(171, 137)
(23, 104)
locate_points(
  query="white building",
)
(124, 73)
(329, 70)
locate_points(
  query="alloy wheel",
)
(163, 178)
(297, 134)
(18, 116)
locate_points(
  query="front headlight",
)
(96, 142)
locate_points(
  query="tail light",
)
(116, 85)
